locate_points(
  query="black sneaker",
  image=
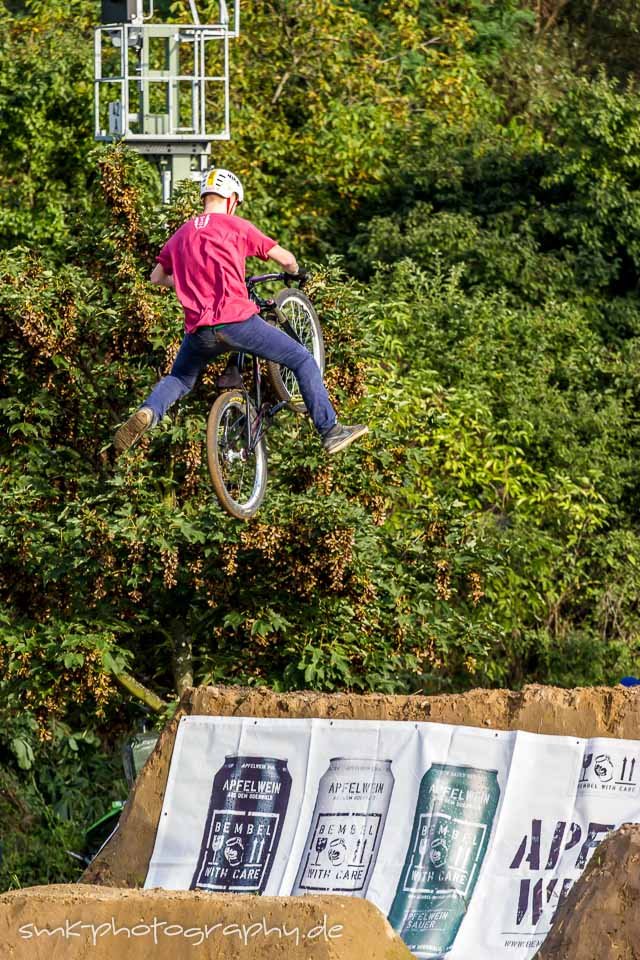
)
(133, 429)
(340, 436)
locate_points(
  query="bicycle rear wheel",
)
(299, 319)
(238, 471)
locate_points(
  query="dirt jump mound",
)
(600, 920)
(78, 922)
(108, 915)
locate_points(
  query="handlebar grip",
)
(300, 277)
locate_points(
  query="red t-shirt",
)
(206, 257)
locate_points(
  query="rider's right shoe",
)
(132, 430)
(340, 436)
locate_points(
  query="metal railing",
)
(128, 87)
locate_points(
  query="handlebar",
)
(287, 278)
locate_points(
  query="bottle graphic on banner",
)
(346, 828)
(244, 822)
(451, 830)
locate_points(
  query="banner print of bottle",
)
(346, 828)
(451, 829)
(244, 823)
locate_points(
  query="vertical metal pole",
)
(124, 73)
(203, 84)
(172, 54)
(144, 58)
(180, 169)
(165, 179)
(195, 84)
(97, 73)
(166, 185)
(226, 85)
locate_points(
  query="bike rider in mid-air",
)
(204, 262)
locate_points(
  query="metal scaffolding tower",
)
(163, 88)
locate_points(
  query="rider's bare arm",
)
(284, 258)
(161, 278)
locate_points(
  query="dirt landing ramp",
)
(600, 919)
(582, 712)
(600, 711)
(82, 922)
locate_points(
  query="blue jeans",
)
(249, 336)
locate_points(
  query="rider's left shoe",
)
(133, 429)
(340, 436)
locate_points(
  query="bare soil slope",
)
(600, 919)
(77, 922)
(601, 711)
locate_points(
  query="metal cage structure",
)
(163, 88)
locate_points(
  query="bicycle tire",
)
(294, 309)
(239, 478)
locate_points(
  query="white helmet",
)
(222, 182)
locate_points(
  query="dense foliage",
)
(466, 177)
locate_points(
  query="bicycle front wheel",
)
(237, 465)
(299, 319)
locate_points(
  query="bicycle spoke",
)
(233, 450)
(297, 318)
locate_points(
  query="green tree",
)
(483, 185)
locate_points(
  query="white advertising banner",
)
(467, 839)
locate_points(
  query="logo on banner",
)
(543, 896)
(438, 853)
(341, 852)
(613, 773)
(240, 850)
(346, 828)
(248, 804)
(233, 851)
(447, 854)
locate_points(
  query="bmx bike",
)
(240, 418)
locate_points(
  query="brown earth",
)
(599, 711)
(78, 922)
(600, 919)
(584, 712)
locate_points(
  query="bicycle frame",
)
(265, 412)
